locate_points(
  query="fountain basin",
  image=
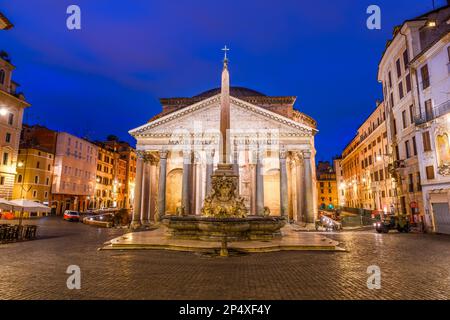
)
(234, 229)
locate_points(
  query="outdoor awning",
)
(28, 205)
(6, 204)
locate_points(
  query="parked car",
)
(392, 222)
(70, 215)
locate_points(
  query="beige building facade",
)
(12, 106)
(75, 171)
(34, 174)
(366, 179)
(406, 79)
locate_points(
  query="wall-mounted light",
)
(3, 111)
(431, 23)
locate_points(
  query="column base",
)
(145, 223)
(135, 225)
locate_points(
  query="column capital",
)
(296, 156)
(187, 156)
(153, 159)
(140, 154)
(210, 152)
(163, 154)
(282, 153)
(306, 154)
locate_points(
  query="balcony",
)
(436, 112)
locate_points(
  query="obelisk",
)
(225, 113)
(224, 200)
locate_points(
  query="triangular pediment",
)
(205, 115)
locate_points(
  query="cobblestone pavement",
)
(413, 266)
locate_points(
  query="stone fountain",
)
(224, 214)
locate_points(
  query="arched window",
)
(2, 76)
(19, 178)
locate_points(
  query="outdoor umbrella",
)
(6, 204)
(28, 205)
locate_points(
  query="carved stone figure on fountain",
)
(224, 200)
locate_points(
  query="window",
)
(46, 195)
(400, 90)
(8, 137)
(394, 127)
(5, 158)
(2, 76)
(38, 164)
(429, 115)
(408, 83)
(390, 80)
(19, 178)
(407, 149)
(404, 119)
(2, 180)
(397, 153)
(11, 119)
(47, 181)
(381, 175)
(410, 183)
(426, 141)
(391, 102)
(425, 77)
(399, 68)
(49, 167)
(34, 194)
(414, 146)
(430, 172)
(405, 58)
(36, 179)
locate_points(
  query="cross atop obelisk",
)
(225, 111)
(225, 49)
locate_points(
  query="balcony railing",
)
(436, 112)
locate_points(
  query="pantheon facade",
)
(271, 149)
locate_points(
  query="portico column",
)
(259, 185)
(283, 185)
(136, 218)
(209, 169)
(198, 185)
(299, 189)
(235, 160)
(252, 168)
(152, 197)
(145, 194)
(162, 185)
(185, 190)
(236, 166)
(308, 185)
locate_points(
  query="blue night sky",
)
(107, 77)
